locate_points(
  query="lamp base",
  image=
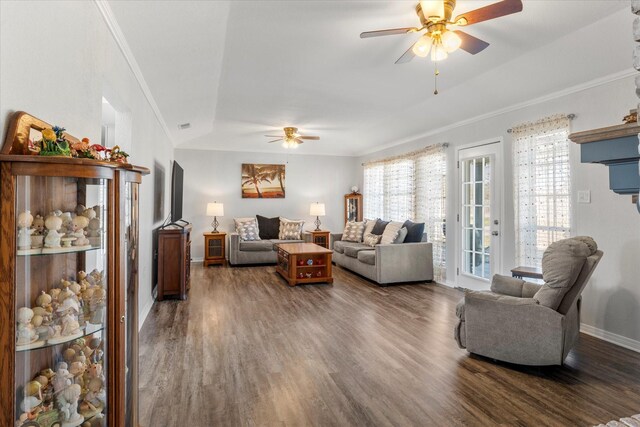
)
(215, 225)
(317, 223)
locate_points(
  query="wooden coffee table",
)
(304, 263)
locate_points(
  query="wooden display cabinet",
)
(174, 261)
(352, 207)
(104, 302)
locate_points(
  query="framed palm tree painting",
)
(263, 181)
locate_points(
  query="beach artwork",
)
(263, 181)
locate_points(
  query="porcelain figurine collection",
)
(64, 313)
(59, 231)
(73, 394)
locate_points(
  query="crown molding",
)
(121, 41)
(551, 96)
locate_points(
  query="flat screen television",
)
(177, 176)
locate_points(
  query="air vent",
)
(184, 126)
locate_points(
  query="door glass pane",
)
(61, 300)
(131, 300)
(476, 217)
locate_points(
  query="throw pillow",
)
(247, 228)
(379, 227)
(290, 229)
(415, 230)
(368, 225)
(402, 234)
(353, 232)
(391, 232)
(269, 227)
(371, 239)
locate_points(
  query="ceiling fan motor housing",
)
(449, 5)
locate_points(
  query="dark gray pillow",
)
(268, 228)
(378, 229)
(415, 230)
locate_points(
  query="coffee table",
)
(304, 263)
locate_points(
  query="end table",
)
(321, 238)
(214, 248)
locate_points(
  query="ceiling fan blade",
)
(407, 56)
(390, 32)
(470, 43)
(273, 136)
(315, 138)
(298, 140)
(275, 140)
(496, 10)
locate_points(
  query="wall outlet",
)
(584, 196)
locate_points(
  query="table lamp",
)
(215, 210)
(317, 210)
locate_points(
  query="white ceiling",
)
(238, 70)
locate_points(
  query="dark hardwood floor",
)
(246, 349)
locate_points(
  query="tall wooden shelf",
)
(41, 185)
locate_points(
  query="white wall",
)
(58, 60)
(215, 176)
(612, 298)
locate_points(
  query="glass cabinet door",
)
(61, 304)
(130, 248)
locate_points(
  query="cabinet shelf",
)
(312, 266)
(39, 252)
(90, 329)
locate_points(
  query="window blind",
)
(542, 187)
(411, 186)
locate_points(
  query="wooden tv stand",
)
(174, 261)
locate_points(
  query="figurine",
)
(53, 224)
(66, 223)
(37, 235)
(25, 219)
(77, 369)
(54, 143)
(67, 241)
(67, 396)
(94, 231)
(69, 310)
(89, 213)
(78, 224)
(97, 305)
(117, 155)
(25, 332)
(80, 209)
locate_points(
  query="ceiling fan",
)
(440, 38)
(291, 137)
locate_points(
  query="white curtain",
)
(411, 186)
(542, 187)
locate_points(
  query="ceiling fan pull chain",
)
(435, 78)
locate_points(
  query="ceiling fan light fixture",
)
(450, 41)
(432, 9)
(422, 47)
(438, 53)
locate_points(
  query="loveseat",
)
(386, 263)
(243, 252)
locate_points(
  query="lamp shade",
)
(215, 209)
(316, 209)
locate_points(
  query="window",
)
(542, 187)
(411, 186)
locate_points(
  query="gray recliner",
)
(528, 324)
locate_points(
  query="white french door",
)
(479, 214)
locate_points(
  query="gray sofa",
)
(385, 264)
(254, 252)
(528, 324)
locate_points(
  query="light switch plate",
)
(584, 196)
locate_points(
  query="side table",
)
(214, 248)
(321, 238)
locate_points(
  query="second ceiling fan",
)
(440, 38)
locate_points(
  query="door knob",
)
(494, 233)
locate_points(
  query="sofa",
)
(528, 324)
(250, 252)
(386, 263)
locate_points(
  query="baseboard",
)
(193, 260)
(616, 339)
(144, 313)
